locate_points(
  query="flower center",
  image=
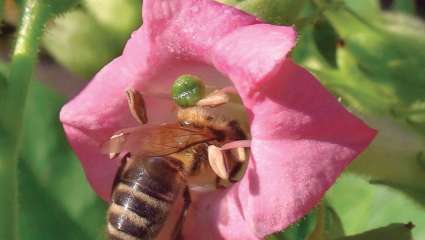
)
(219, 111)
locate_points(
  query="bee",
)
(163, 162)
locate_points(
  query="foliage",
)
(56, 201)
(86, 38)
(375, 56)
(372, 60)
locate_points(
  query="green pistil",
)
(187, 90)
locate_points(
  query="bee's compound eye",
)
(187, 90)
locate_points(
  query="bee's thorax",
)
(223, 127)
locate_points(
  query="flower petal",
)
(218, 216)
(176, 39)
(250, 54)
(302, 139)
(189, 28)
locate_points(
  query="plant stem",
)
(35, 15)
(1, 9)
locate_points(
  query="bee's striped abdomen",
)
(142, 198)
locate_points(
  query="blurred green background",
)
(369, 53)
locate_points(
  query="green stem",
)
(1, 10)
(24, 56)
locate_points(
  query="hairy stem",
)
(23, 58)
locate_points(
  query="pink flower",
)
(302, 138)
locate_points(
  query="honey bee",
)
(162, 162)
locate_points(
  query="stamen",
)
(214, 99)
(137, 107)
(239, 154)
(236, 144)
(112, 156)
(229, 89)
(217, 162)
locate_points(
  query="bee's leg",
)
(137, 107)
(177, 232)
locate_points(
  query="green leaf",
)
(413, 114)
(321, 223)
(385, 50)
(46, 219)
(395, 231)
(374, 79)
(365, 8)
(52, 177)
(394, 158)
(326, 41)
(60, 6)
(272, 11)
(85, 39)
(362, 206)
(404, 6)
(297, 231)
(416, 193)
(328, 224)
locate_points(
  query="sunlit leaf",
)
(362, 206)
(80, 43)
(365, 8)
(374, 79)
(394, 158)
(272, 11)
(416, 193)
(85, 39)
(386, 51)
(106, 14)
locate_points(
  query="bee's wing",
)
(155, 140)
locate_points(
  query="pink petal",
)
(302, 138)
(250, 54)
(175, 39)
